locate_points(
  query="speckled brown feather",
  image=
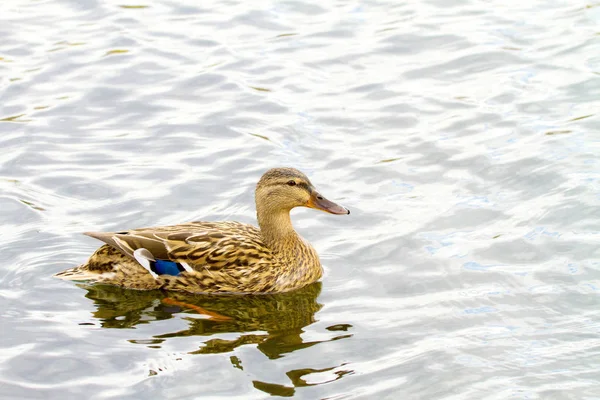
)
(225, 257)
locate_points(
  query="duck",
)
(226, 257)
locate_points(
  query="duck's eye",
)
(291, 183)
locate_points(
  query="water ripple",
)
(462, 136)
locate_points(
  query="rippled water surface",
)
(463, 135)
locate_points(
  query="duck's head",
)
(281, 189)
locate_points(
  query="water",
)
(462, 135)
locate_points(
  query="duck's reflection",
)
(272, 322)
(296, 376)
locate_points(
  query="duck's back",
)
(212, 245)
(221, 256)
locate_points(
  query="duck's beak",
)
(321, 203)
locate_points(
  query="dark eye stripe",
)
(303, 185)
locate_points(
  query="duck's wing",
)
(199, 246)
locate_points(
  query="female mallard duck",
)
(217, 257)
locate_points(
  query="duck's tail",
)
(80, 273)
(99, 267)
(109, 266)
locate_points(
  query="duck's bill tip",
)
(337, 210)
(321, 203)
(341, 211)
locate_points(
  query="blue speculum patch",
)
(163, 267)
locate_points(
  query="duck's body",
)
(217, 257)
(223, 257)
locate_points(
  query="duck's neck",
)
(277, 230)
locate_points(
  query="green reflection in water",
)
(297, 378)
(273, 322)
